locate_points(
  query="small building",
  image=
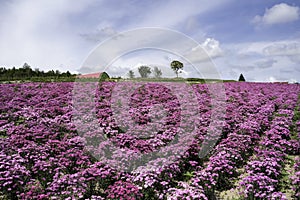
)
(101, 75)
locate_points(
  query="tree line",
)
(175, 65)
(27, 73)
(145, 71)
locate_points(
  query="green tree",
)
(68, 74)
(50, 73)
(26, 66)
(157, 72)
(144, 71)
(130, 74)
(176, 66)
(37, 72)
(12, 72)
(103, 76)
(26, 71)
(241, 78)
(57, 73)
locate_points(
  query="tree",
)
(104, 76)
(157, 72)
(68, 74)
(176, 66)
(130, 74)
(27, 71)
(144, 71)
(26, 66)
(37, 72)
(50, 73)
(241, 78)
(57, 73)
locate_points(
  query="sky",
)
(224, 38)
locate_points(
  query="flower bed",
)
(45, 155)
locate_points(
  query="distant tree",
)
(26, 66)
(50, 73)
(157, 72)
(57, 72)
(68, 74)
(25, 71)
(13, 72)
(176, 66)
(144, 71)
(130, 74)
(241, 78)
(37, 71)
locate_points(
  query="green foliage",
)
(188, 175)
(26, 73)
(296, 116)
(144, 71)
(104, 76)
(130, 74)
(157, 72)
(3, 133)
(19, 121)
(176, 66)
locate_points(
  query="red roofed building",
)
(100, 75)
(93, 75)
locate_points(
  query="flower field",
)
(51, 148)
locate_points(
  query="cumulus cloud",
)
(268, 52)
(40, 33)
(278, 14)
(210, 48)
(276, 59)
(288, 49)
(283, 49)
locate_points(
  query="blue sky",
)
(260, 39)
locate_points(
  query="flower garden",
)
(44, 155)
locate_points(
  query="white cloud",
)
(261, 60)
(288, 49)
(283, 49)
(41, 34)
(279, 13)
(171, 13)
(210, 48)
(54, 34)
(165, 14)
(272, 79)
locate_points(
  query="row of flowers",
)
(264, 170)
(137, 141)
(250, 120)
